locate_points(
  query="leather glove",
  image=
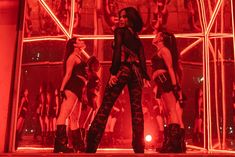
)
(62, 95)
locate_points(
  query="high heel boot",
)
(182, 140)
(78, 141)
(61, 140)
(171, 142)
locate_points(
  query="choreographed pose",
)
(72, 89)
(128, 68)
(167, 76)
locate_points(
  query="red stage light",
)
(148, 138)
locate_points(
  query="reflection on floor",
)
(35, 147)
(118, 152)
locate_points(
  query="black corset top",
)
(158, 63)
(80, 69)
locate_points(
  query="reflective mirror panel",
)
(204, 32)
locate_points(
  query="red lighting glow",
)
(148, 138)
(201, 37)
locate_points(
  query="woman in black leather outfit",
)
(167, 76)
(128, 68)
(71, 90)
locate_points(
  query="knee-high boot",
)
(78, 141)
(182, 140)
(92, 142)
(171, 142)
(138, 142)
(61, 140)
(166, 141)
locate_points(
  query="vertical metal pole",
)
(16, 75)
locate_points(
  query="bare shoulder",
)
(71, 59)
(164, 51)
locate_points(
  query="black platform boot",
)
(166, 141)
(138, 142)
(182, 140)
(171, 142)
(175, 138)
(78, 141)
(61, 140)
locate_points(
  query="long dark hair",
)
(69, 50)
(169, 41)
(93, 61)
(134, 18)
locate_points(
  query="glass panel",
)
(39, 22)
(172, 15)
(222, 78)
(192, 83)
(193, 103)
(188, 18)
(190, 50)
(223, 19)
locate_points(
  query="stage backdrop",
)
(205, 38)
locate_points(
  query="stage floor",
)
(28, 149)
(116, 152)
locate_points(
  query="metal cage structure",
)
(212, 38)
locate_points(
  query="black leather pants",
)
(125, 77)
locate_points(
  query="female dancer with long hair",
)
(22, 111)
(72, 89)
(167, 76)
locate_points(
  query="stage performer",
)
(72, 89)
(128, 68)
(167, 76)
